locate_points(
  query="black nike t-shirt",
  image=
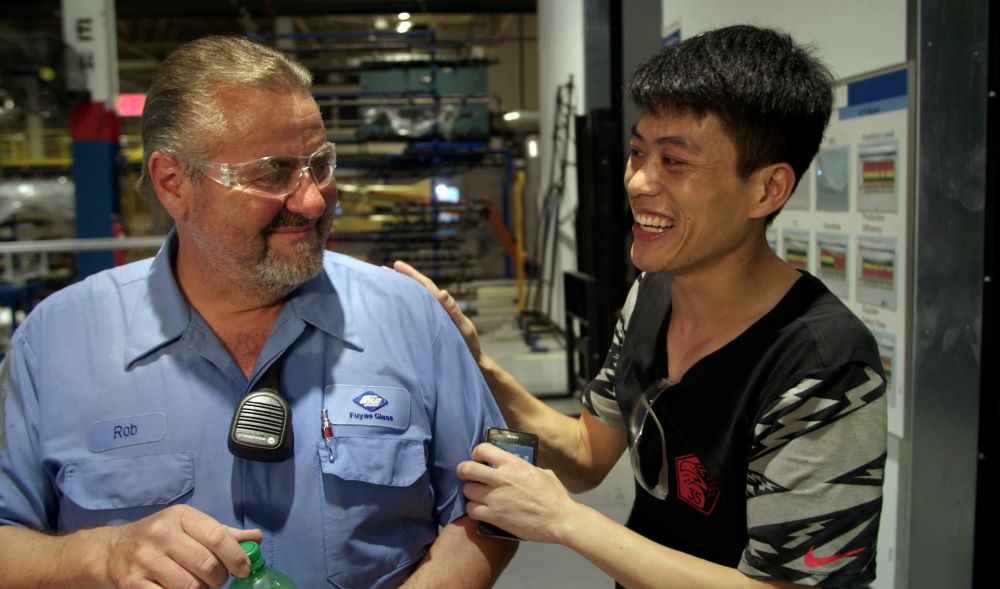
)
(775, 443)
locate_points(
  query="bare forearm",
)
(637, 562)
(461, 557)
(35, 559)
(524, 411)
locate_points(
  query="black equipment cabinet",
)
(596, 291)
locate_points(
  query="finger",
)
(163, 570)
(475, 492)
(408, 270)
(443, 296)
(482, 513)
(476, 510)
(197, 561)
(254, 535)
(478, 473)
(493, 454)
(450, 305)
(215, 537)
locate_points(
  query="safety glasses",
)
(272, 176)
(643, 424)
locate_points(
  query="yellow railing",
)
(16, 150)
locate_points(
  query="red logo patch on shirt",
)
(695, 486)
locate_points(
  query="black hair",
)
(773, 97)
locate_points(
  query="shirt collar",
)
(162, 315)
(324, 303)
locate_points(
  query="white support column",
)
(89, 27)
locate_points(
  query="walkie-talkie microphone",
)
(261, 429)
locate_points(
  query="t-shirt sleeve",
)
(814, 485)
(599, 395)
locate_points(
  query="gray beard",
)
(276, 275)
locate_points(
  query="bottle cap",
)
(253, 551)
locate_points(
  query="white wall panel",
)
(852, 36)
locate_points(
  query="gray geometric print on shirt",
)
(812, 501)
(798, 412)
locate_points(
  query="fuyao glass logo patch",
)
(368, 405)
(370, 401)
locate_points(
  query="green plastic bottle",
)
(260, 577)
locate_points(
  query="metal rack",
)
(404, 107)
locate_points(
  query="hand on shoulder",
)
(448, 303)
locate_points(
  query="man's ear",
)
(169, 179)
(774, 185)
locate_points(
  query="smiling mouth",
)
(654, 224)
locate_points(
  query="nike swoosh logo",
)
(813, 561)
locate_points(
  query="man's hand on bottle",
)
(178, 547)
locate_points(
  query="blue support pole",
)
(95, 169)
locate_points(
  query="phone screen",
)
(521, 450)
(520, 444)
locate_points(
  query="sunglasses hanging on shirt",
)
(261, 429)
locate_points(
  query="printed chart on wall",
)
(846, 222)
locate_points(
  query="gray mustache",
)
(286, 219)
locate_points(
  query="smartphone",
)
(520, 444)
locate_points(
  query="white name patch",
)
(375, 406)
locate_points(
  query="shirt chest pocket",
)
(378, 509)
(100, 492)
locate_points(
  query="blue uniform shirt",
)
(117, 397)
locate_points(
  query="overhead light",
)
(532, 148)
(403, 26)
(381, 23)
(445, 193)
(7, 102)
(522, 121)
(404, 16)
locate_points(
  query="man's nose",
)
(308, 199)
(644, 180)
